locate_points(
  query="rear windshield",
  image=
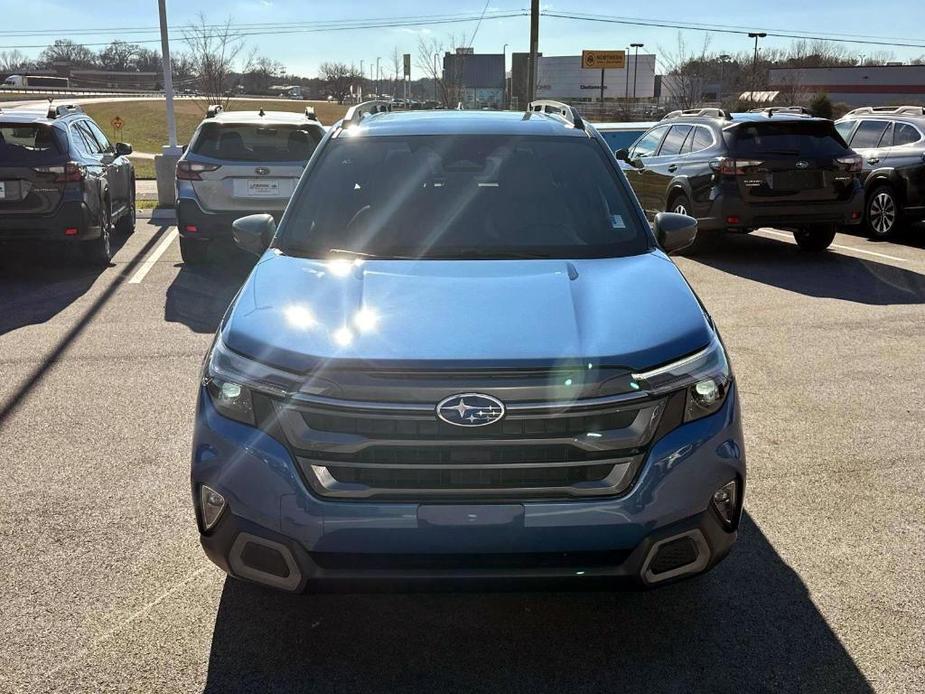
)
(468, 196)
(804, 139)
(26, 144)
(257, 142)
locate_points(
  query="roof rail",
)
(771, 110)
(894, 110)
(58, 110)
(214, 110)
(697, 112)
(310, 113)
(557, 108)
(358, 112)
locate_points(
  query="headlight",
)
(705, 376)
(232, 380)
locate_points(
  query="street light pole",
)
(534, 49)
(168, 76)
(165, 163)
(755, 35)
(637, 46)
(504, 65)
(377, 76)
(626, 79)
(436, 55)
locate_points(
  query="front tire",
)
(882, 212)
(98, 252)
(815, 239)
(194, 252)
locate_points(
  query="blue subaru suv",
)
(465, 354)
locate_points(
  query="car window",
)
(886, 140)
(868, 134)
(905, 134)
(648, 144)
(673, 140)
(464, 196)
(702, 139)
(844, 129)
(84, 139)
(26, 143)
(265, 143)
(105, 144)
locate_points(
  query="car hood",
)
(635, 312)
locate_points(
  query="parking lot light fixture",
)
(637, 46)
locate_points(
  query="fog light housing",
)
(726, 502)
(211, 505)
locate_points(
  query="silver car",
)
(239, 163)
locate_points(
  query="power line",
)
(721, 29)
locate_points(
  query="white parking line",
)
(789, 237)
(153, 257)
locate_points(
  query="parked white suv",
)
(239, 163)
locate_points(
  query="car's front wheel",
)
(882, 212)
(98, 252)
(815, 238)
(194, 252)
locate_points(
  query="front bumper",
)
(70, 214)
(783, 215)
(272, 520)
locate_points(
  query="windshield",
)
(805, 139)
(468, 196)
(264, 143)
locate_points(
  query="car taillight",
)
(72, 172)
(852, 163)
(733, 167)
(189, 170)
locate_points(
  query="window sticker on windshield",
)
(616, 222)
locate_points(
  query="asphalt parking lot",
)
(105, 587)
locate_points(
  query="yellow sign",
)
(117, 123)
(603, 60)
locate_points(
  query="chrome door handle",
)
(873, 160)
(673, 167)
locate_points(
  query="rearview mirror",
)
(254, 232)
(123, 149)
(674, 232)
(623, 154)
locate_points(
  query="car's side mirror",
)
(254, 232)
(123, 149)
(674, 231)
(623, 154)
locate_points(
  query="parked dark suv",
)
(741, 171)
(891, 141)
(62, 180)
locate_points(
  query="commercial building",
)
(563, 78)
(475, 79)
(856, 86)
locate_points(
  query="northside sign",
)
(603, 60)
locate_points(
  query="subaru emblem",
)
(802, 164)
(470, 410)
(261, 171)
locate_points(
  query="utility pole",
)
(504, 65)
(436, 55)
(377, 77)
(626, 79)
(534, 48)
(637, 46)
(165, 164)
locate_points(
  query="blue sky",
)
(303, 52)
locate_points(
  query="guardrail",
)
(70, 91)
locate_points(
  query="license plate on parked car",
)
(797, 180)
(263, 188)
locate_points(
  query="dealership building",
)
(563, 78)
(877, 85)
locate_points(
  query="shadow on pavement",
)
(37, 282)
(749, 625)
(831, 274)
(199, 294)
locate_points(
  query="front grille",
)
(363, 450)
(470, 478)
(405, 427)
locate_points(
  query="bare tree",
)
(264, 72)
(214, 51)
(338, 78)
(685, 73)
(13, 61)
(118, 56)
(429, 61)
(67, 51)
